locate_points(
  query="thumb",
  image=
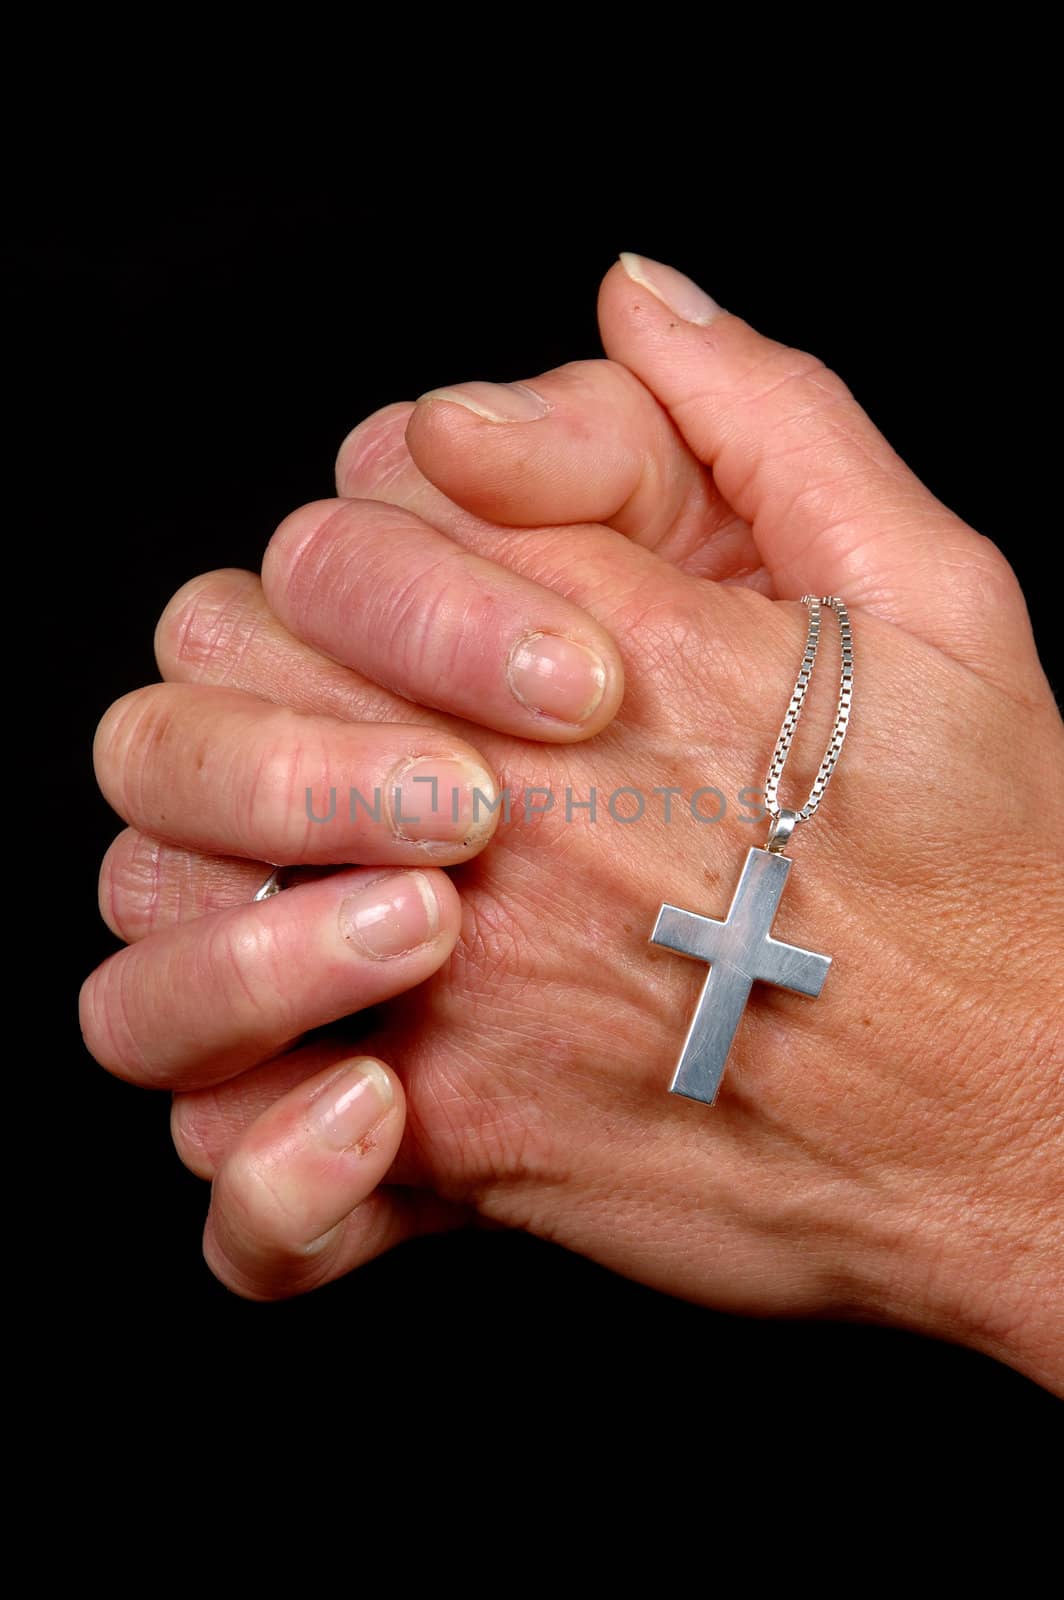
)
(834, 509)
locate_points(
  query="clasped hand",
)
(591, 582)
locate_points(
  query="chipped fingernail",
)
(350, 1106)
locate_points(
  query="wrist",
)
(978, 1278)
(974, 1254)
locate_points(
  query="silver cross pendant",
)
(741, 952)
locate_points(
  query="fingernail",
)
(350, 1106)
(556, 677)
(433, 801)
(682, 296)
(391, 916)
(494, 402)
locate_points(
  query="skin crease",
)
(891, 1151)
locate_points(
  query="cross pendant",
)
(741, 952)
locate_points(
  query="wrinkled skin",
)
(889, 1151)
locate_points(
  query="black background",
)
(204, 343)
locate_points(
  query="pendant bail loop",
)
(780, 830)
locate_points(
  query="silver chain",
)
(790, 820)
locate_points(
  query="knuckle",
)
(587, 378)
(802, 380)
(253, 1200)
(130, 885)
(809, 440)
(208, 625)
(809, 402)
(413, 598)
(299, 552)
(491, 950)
(131, 731)
(271, 810)
(476, 1143)
(196, 1128)
(686, 657)
(424, 619)
(600, 381)
(114, 730)
(258, 1270)
(987, 600)
(265, 1218)
(810, 378)
(106, 1014)
(246, 962)
(990, 572)
(375, 455)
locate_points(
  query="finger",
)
(611, 457)
(199, 1002)
(255, 652)
(296, 1203)
(220, 772)
(378, 589)
(586, 442)
(146, 884)
(206, 1124)
(219, 630)
(832, 507)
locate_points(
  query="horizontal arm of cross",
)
(687, 933)
(789, 967)
(770, 961)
